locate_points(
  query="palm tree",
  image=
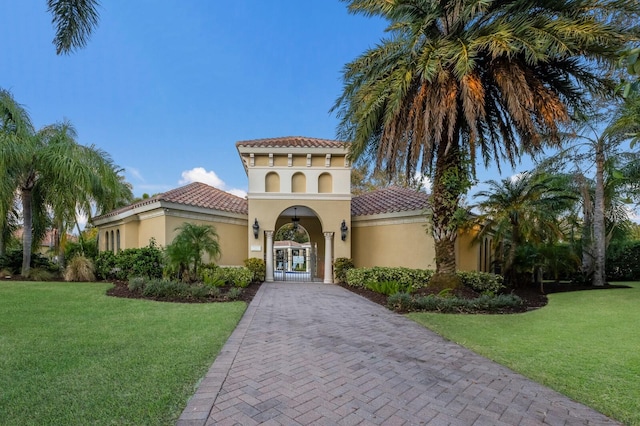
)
(191, 243)
(74, 20)
(458, 77)
(523, 210)
(51, 172)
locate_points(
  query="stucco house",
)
(302, 180)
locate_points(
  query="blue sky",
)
(168, 87)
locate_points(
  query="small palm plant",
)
(192, 242)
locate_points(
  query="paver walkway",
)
(318, 354)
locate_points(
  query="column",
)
(269, 265)
(328, 260)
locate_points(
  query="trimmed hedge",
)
(482, 282)
(623, 262)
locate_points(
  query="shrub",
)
(340, 266)
(416, 278)
(234, 276)
(623, 261)
(234, 293)
(138, 262)
(485, 303)
(137, 284)
(257, 267)
(42, 274)
(12, 260)
(400, 302)
(165, 288)
(105, 265)
(481, 281)
(388, 287)
(79, 268)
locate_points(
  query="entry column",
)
(269, 265)
(328, 252)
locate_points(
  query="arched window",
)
(272, 182)
(106, 240)
(118, 241)
(113, 246)
(299, 183)
(325, 183)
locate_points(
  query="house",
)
(305, 181)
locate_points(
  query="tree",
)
(457, 77)
(74, 21)
(51, 172)
(526, 209)
(191, 243)
(289, 232)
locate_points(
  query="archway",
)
(296, 244)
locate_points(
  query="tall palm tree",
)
(465, 76)
(51, 172)
(74, 21)
(525, 209)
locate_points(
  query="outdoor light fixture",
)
(256, 228)
(343, 230)
(295, 219)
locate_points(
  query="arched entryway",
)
(296, 250)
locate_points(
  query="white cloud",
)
(134, 173)
(199, 174)
(426, 181)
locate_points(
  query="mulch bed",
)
(533, 298)
(120, 289)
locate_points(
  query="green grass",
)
(70, 355)
(585, 345)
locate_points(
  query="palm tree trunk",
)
(598, 219)
(27, 235)
(587, 230)
(444, 205)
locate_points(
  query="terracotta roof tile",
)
(291, 142)
(389, 200)
(195, 194)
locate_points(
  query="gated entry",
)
(295, 263)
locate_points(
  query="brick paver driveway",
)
(319, 354)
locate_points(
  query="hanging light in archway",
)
(295, 219)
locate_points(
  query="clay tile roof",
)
(291, 142)
(194, 194)
(389, 200)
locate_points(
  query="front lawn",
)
(71, 355)
(584, 344)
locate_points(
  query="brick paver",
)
(318, 354)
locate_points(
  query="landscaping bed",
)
(121, 289)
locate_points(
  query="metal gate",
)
(293, 265)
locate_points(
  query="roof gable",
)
(196, 194)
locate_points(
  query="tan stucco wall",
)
(468, 251)
(232, 238)
(392, 243)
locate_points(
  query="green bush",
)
(340, 266)
(419, 278)
(481, 282)
(12, 260)
(257, 267)
(137, 262)
(388, 287)
(79, 268)
(623, 261)
(401, 302)
(235, 277)
(162, 288)
(210, 277)
(105, 265)
(484, 303)
(234, 293)
(415, 278)
(42, 274)
(137, 284)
